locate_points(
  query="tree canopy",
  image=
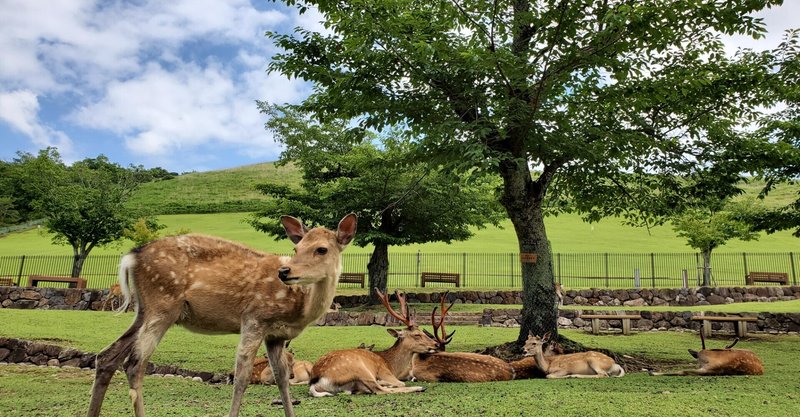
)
(398, 201)
(612, 101)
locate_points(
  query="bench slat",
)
(445, 277)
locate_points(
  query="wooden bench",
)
(626, 321)
(73, 282)
(446, 277)
(779, 277)
(741, 323)
(7, 282)
(352, 278)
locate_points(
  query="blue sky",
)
(162, 83)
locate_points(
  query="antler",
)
(735, 341)
(404, 316)
(445, 338)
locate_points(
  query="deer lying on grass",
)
(212, 285)
(300, 371)
(574, 365)
(357, 371)
(526, 368)
(456, 366)
(721, 361)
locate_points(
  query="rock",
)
(581, 300)
(53, 362)
(564, 322)
(638, 302)
(645, 324)
(715, 299)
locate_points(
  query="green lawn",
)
(32, 391)
(567, 233)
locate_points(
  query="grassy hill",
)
(223, 191)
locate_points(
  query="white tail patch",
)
(125, 283)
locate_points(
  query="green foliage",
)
(144, 230)
(707, 229)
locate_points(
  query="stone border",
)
(95, 299)
(24, 352)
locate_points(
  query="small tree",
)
(708, 228)
(84, 205)
(145, 230)
(398, 201)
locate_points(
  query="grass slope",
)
(27, 391)
(227, 190)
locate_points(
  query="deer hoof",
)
(278, 401)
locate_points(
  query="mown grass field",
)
(32, 391)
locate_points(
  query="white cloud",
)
(19, 109)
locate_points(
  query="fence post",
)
(685, 276)
(653, 268)
(791, 262)
(464, 269)
(419, 278)
(744, 258)
(637, 278)
(606, 259)
(512, 270)
(21, 266)
(558, 265)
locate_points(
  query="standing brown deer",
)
(574, 365)
(726, 361)
(212, 285)
(456, 366)
(355, 371)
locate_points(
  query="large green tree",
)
(608, 100)
(399, 201)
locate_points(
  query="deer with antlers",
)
(456, 366)
(720, 362)
(362, 371)
(574, 365)
(212, 285)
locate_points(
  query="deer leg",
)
(245, 355)
(108, 361)
(275, 353)
(148, 338)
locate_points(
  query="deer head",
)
(317, 252)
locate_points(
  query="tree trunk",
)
(706, 267)
(522, 197)
(378, 268)
(77, 264)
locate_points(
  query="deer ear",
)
(294, 228)
(546, 337)
(393, 332)
(347, 229)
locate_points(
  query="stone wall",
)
(81, 299)
(40, 354)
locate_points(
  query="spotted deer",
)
(362, 371)
(299, 373)
(574, 365)
(720, 362)
(211, 285)
(526, 368)
(456, 366)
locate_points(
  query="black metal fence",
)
(486, 270)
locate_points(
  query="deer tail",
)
(125, 285)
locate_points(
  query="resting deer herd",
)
(270, 299)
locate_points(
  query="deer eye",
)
(321, 251)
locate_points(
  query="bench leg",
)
(626, 326)
(706, 329)
(741, 328)
(595, 326)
